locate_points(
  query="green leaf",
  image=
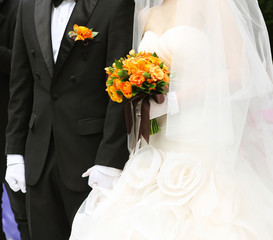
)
(119, 92)
(94, 34)
(161, 84)
(72, 34)
(160, 90)
(135, 90)
(161, 65)
(120, 73)
(123, 74)
(118, 64)
(145, 90)
(144, 86)
(123, 79)
(154, 55)
(147, 85)
(110, 82)
(146, 75)
(111, 69)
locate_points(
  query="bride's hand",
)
(170, 104)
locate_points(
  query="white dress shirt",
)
(59, 19)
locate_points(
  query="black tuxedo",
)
(8, 11)
(67, 101)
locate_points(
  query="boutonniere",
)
(82, 33)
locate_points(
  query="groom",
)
(60, 121)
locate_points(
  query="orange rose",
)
(166, 77)
(117, 84)
(115, 73)
(113, 94)
(155, 60)
(82, 32)
(137, 78)
(144, 55)
(126, 89)
(130, 65)
(141, 64)
(156, 73)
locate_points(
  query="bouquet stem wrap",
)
(144, 128)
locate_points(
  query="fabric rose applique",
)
(181, 178)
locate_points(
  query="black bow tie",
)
(57, 2)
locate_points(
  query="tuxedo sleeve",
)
(113, 150)
(21, 92)
(6, 51)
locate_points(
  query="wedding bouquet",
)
(138, 76)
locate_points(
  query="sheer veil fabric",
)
(223, 98)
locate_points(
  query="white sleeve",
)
(14, 159)
(109, 171)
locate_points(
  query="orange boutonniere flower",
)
(82, 33)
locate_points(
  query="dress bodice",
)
(184, 45)
(183, 49)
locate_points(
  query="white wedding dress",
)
(169, 191)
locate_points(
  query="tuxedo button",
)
(73, 79)
(33, 53)
(38, 75)
(55, 96)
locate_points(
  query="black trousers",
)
(51, 205)
(18, 206)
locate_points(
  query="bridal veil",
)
(224, 87)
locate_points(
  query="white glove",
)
(102, 176)
(15, 174)
(170, 104)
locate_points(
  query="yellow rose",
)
(113, 94)
(132, 52)
(156, 73)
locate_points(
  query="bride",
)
(208, 174)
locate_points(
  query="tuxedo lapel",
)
(80, 16)
(42, 18)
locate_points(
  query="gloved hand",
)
(170, 104)
(102, 176)
(15, 174)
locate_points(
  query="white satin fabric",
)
(171, 190)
